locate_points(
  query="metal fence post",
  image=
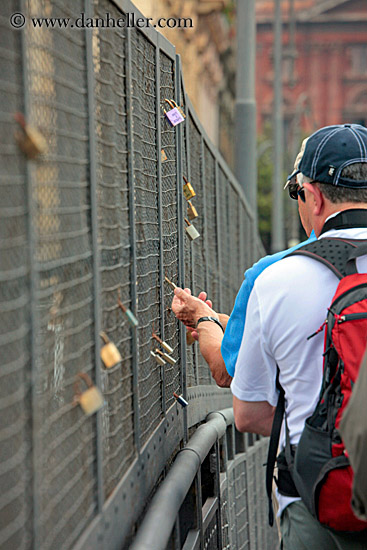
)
(96, 256)
(181, 244)
(219, 233)
(205, 224)
(160, 229)
(133, 275)
(34, 317)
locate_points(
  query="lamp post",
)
(277, 234)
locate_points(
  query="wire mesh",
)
(114, 236)
(65, 437)
(15, 398)
(147, 230)
(212, 230)
(169, 226)
(199, 253)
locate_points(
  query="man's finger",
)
(209, 303)
(188, 290)
(202, 296)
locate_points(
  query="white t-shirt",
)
(289, 302)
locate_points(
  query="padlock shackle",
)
(157, 338)
(104, 337)
(172, 103)
(187, 221)
(121, 305)
(185, 179)
(84, 376)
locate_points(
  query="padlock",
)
(29, 140)
(191, 231)
(188, 190)
(192, 213)
(163, 155)
(158, 359)
(91, 400)
(190, 340)
(109, 353)
(164, 345)
(180, 399)
(129, 314)
(166, 357)
(173, 116)
(171, 284)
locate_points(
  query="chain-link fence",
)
(89, 229)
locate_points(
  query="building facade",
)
(324, 63)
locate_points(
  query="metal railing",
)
(97, 218)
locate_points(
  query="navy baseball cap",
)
(329, 150)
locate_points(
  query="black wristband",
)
(213, 319)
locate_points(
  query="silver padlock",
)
(191, 231)
(158, 359)
(173, 116)
(164, 345)
(166, 357)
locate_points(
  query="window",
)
(359, 59)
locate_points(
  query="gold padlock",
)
(192, 213)
(91, 400)
(164, 345)
(29, 140)
(188, 190)
(191, 231)
(110, 355)
(163, 155)
(189, 338)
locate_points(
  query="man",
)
(288, 303)
(223, 357)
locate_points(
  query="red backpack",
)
(318, 468)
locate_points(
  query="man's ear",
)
(315, 197)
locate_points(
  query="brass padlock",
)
(192, 213)
(163, 155)
(188, 190)
(190, 340)
(29, 140)
(109, 353)
(166, 357)
(158, 359)
(91, 400)
(191, 231)
(170, 283)
(164, 345)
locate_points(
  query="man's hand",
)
(202, 296)
(189, 309)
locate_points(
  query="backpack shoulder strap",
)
(273, 447)
(333, 253)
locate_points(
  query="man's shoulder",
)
(271, 259)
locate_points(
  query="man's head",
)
(331, 175)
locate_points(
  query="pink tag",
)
(174, 117)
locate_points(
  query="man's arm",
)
(253, 416)
(189, 309)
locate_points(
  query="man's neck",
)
(332, 209)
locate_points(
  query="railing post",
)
(133, 275)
